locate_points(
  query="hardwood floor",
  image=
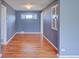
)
(29, 46)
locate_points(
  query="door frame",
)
(41, 25)
(3, 24)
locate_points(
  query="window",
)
(28, 16)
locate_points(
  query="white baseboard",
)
(69, 56)
(28, 32)
(9, 40)
(50, 42)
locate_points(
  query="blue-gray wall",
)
(10, 20)
(51, 34)
(27, 25)
(69, 27)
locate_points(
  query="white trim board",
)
(68, 56)
(11, 38)
(28, 32)
(50, 42)
(3, 24)
(42, 22)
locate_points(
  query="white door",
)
(3, 25)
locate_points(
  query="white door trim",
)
(41, 23)
(3, 24)
(41, 29)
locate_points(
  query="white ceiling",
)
(38, 4)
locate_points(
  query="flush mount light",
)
(28, 6)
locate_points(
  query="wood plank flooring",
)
(29, 46)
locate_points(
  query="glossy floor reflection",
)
(29, 46)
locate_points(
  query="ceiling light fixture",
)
(28, 6)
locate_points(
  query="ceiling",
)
(37, 4)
